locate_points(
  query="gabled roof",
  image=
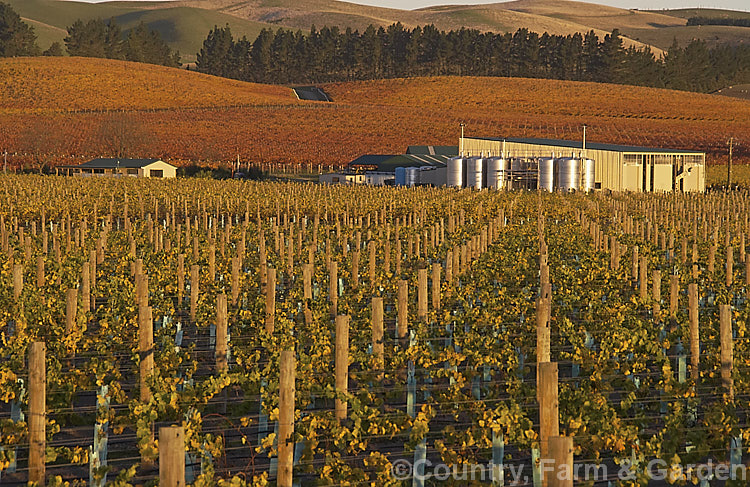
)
(577, 144)
(103, 163)
(389, 163)
(433, 150)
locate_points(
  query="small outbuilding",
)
(141, 168)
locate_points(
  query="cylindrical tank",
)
(412, 176)
(546, 174)
(456, 174)
(400, 176)
(587, 179)
(475, 172)
(568, 174)
(497, 168)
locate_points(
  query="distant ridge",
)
(185, 23)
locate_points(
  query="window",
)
(132, 172)
(156, 173)
(98, 171)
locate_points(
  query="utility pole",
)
(462, 139)
(729, 165)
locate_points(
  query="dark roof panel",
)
(577, 144)
(433, 150)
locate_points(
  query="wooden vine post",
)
(542, 334)
(172, 456)
(146, 348)
(37, 412)
(333, 287)
(561, 453)
(549, 416)
(378, 347)
(403, 309)
(71, 310)
(355, 269)
(194, 290)
(436, 271)
(286, 418)
(727, 349)
(235, 280)
(656, 293)
(694, 331)
(40, 271)
(270, 299)
(342, 364)
(180, 278)
(17, 281)
(730, 266)
(221, 333)
(422, 294)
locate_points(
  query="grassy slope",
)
(686, 13)
(185, 23)
(712, 34)
(304, 13)
(184, 28)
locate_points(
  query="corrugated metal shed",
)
(617, 167)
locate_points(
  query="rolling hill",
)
(185, 23)
(33, 85)
(184, 28)
(63, 110)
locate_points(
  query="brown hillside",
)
(163, 112)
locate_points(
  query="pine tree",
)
(16, 37)
(95, 38)
(146, 46)
(54, 50)
(215, 57)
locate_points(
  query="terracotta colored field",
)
(183, 116)
(64, 84)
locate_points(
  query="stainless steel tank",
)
(412, 176)
(497, 168)
(475, 172)
(546, 179)
(587, 179)
(568, 174)
(456, 172)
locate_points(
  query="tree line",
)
(719, 21)
(93, 38)
(330, 55)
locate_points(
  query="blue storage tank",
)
(400, 176)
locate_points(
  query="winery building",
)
(617, 167)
